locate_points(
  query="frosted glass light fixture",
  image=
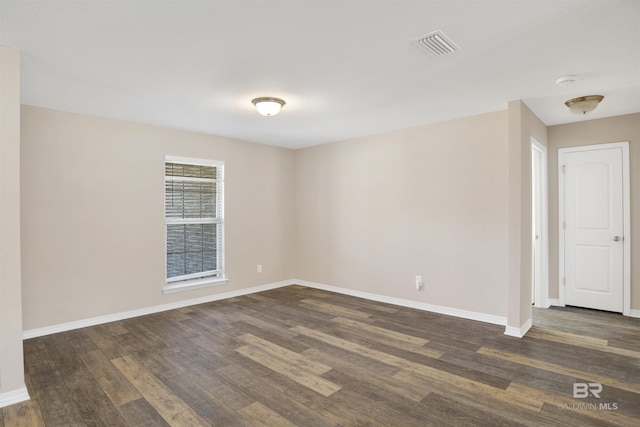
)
(584, 104)
(268, 106)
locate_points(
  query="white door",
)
(539, 226)
(536, 225)
(594, 226)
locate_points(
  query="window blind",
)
(194, 220)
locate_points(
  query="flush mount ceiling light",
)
(268, 106)
(584, 104)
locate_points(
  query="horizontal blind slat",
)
(193, 195)
(187, 170)
(191, 248)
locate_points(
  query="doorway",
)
(594, 223)
(539, 226)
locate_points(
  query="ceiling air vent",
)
(437, 43)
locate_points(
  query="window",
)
(194, 218)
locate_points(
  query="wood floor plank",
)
(493, 401)
(385, 345)
(204, 374)
(91, 400)
(469, 389)
(563, 370)
(290, 315)
(49, 385)
(200, 399)
(355, 348)
(260, 387)
(614, 416)
(337, 345)
(23, 414)
(349, 357)
(114, 384)
(367, 410)
(275, 338)
(145, 347)
(213, 331)
(333, 309)
(260, 416)
(377, 379)
(103, 339)
(141, 413)
(462, 378)
(501, 368)
(381, 332)
(580, 341)
(446, 365)
(389, 407)
(409, 369)
(295, 373)
(435, 334)
(265, 325)
(116, 328)
(586, 322)
(301, 404)
(172, 409)
(287, 355)
(446, 411)
(308, 357)
(89, 396)
(78, 340)
(592, 361)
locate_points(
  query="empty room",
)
(319, 213)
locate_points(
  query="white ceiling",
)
(345, 68)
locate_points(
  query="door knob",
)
(616, 238)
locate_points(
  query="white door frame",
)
(626, 237)
(542, 291)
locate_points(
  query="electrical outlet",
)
(418, 282)
(259, 269)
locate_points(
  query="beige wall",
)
(613, 129)
(93, 214)
(448, 201)
(372, 213)
(523, 125)
(11, 367)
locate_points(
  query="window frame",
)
(205, 278)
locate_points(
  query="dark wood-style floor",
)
(305, 357)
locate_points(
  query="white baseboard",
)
(62, 327)
(465, 314)
(13, 397)
(513, 331)
(632, 312)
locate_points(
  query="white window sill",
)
(188, 285)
